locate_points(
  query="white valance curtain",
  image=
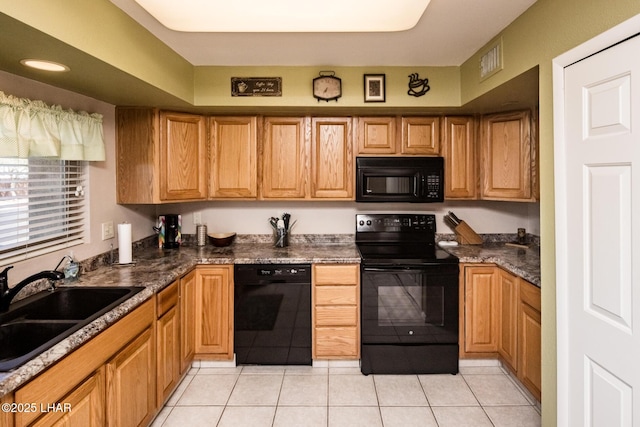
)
(34, 129)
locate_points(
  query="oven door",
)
(410, 304)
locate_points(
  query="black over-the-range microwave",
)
(400, 179)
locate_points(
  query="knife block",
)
(466, 235)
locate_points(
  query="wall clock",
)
(327, 87)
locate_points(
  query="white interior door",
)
(598, 246)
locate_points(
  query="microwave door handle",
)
(423, 185)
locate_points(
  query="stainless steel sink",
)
(39, 322)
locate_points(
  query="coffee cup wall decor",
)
(417, 86)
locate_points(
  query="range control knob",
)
(361, 222)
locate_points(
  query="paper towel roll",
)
(124, 243)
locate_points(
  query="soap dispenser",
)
(72, 269)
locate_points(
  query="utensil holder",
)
(280, 238)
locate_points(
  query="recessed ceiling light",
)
(256, 16)
(44, 65)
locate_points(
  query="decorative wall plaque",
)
(417, 86)
(256, 86)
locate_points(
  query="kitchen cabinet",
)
(285, 153)
(507, 157)
(120, 359)
(500, 314)
(168, 341)
(331, 158)
(6, 417)
(508, 288)
(214, 312)
(161, 156)
(233, 160)
(336, 311)
(307, 158)
(529, 338)
(86, 403)
(420, 135)
(376, 135)
(480, 308)
(131, 385)
(460, 158)
(187, 320)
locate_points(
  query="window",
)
(42, 206)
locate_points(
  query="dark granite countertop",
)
(521, 262)
(156, 268)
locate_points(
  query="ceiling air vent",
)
(491, 60)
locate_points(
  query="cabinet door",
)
(85, 403)
(458, 149)
(285, 158)
(234, 168)
(183, 157)
(331, 158)
(131, 387)
(508, 339)
(529, 345)
(420, 135)
(137, 141)
(214, 319)
(481, 310)
(168, 353)
(376, 135)
(506, 156)
(187, 320)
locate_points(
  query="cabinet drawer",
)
(167, 298)
(530, 295)
(336, 316)
(337, 343)
(336, 274)
(336, 295)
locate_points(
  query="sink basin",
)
(32, 336)
(37, 323)
(72, 303)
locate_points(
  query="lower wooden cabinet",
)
(336, 312)
(131, 383)
(168, 341)
(187, 320)
(500, 318)
(508, 288)
(529, 338)
(86, 404)
(110, 380)
(481, 327)
(214, 312)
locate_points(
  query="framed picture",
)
(374, 88)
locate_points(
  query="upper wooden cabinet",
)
(233, 160)
(285, 148)
(420, 135)
(460, 160)
(161, 156)
(331, 158)
(376, 135)
(307, 158)
(507, 151)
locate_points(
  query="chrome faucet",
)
(7, 294)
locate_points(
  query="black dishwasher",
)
(272, 314)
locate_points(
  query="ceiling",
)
(449, 32)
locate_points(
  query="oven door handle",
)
(391, 269)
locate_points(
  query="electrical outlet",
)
(107, 230)
(197, 218)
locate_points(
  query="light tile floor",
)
(258, 396)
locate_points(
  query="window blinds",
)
(42, 206)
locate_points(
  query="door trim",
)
(613, 36)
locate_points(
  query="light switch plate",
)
(107, 230)
(197, 218)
